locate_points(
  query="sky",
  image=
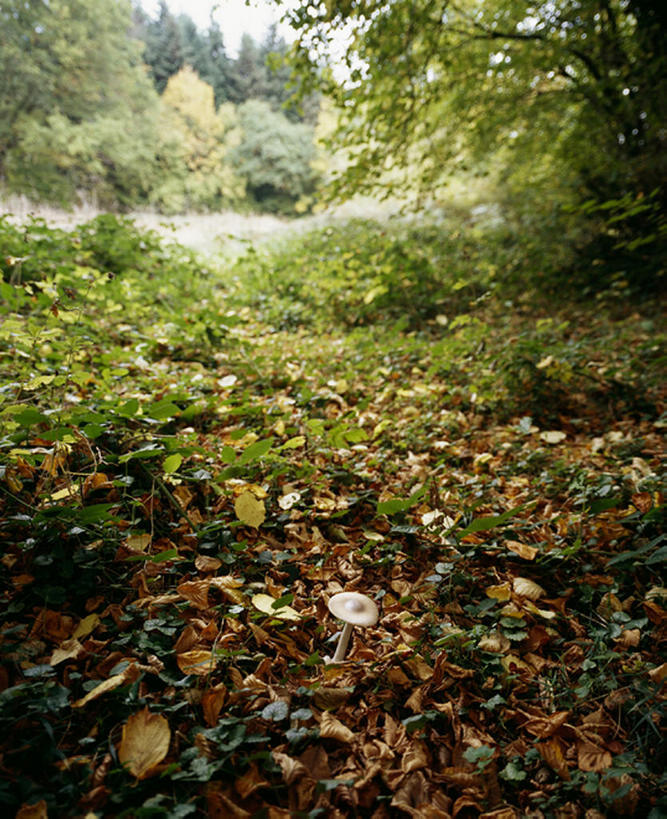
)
(233, 16)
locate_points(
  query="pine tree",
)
(164, 52)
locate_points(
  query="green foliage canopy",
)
(275, 157)
(75, 101)
(576, 89)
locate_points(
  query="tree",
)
(247, 74)
(194, 146)
(576, 89)
(164, 48)
(275, 158)
(78, 112)
(217, 74)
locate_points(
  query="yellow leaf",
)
(501, 593)
(249, 510)
(86, 626)
(102, 688)
(138, 543)
(67, 492)
(264, 603)
(145, 743)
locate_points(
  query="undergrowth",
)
(404, 418)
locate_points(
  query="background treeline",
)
(102, 102)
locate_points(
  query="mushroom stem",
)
(343, 640)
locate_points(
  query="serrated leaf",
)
(249, 510)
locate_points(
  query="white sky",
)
(233, 16)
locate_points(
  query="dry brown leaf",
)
(292, 769)
(552, 753)
(206, 563)
(229, 586)
(250, 781)
(195, 592)
(419, 668)
(108, 685)
(328, 697)
(591, 757)
(36, 811)
(197, 661)
(144, 743)
(543, 727)
(415, 757)
(331, 728)
(630, 638)
(221, 806)
(659, 674)
(527, 588)
(521, 549)
(68, 650)
(212, 703)
(496, 643)
(138, 543)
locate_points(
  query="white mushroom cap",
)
(354, 608)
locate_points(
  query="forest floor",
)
(195, 457)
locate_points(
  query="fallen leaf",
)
(292, 769)
(205, 563)
(543, 727)
(287, 501)
(138, 543)
(198, 662)
(331, 728)
(195, 592)
(527, 588)
(591, 757)
(86, 626)
(552, 753)
(36, 811)
(496, 643)
(144, 743)
(501, 593)
(264, 603)
(521, 549)
(553, 436)
(68, 650)
(108, 685)
(249, 510)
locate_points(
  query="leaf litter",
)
(167, 581)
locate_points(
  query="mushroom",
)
(355, 610)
